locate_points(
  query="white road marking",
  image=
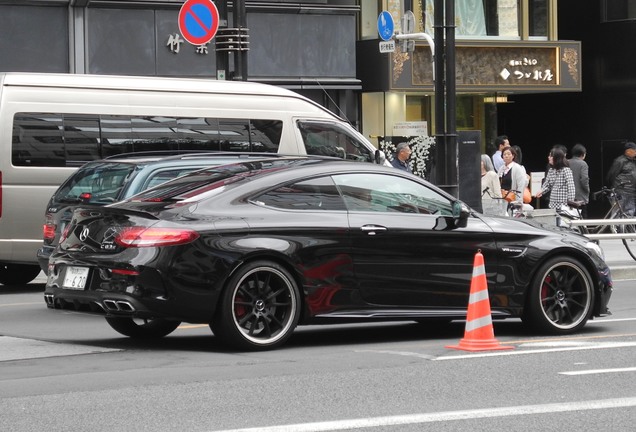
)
(599, 371)
(578, 347)
(402, 353)
(601, 321)
(445, 416)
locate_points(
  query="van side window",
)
(48, 139)
(331, 139)
(38, 140)
(81, 137)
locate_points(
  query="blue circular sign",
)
(386, 26)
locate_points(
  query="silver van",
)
(50, 124)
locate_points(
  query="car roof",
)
(272, 171)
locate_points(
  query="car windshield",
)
(98, 183)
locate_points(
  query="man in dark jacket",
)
(402, 155)
(580, 172)
(622, 177)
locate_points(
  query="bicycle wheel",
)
(630, 243)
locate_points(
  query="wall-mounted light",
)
(496, 99)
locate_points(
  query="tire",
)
(18, 274)
(259, 307)
(561, 297)
(143, 328)
(630, 244)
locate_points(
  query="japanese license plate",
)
(75, 278)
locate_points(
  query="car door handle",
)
(372, 229)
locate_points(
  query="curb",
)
(623, 272)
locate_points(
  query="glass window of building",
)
(503, 19)
(538, 17)
(618, 10)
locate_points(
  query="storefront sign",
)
(536, 67)
(415, 128)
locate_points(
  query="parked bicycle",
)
(497, 206)
(573, 212)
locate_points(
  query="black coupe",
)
(256, 248)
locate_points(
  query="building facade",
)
(519, 63)
(502, 49)
(601, 117)
(307, 46)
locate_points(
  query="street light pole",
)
(445, 93)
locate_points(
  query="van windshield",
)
(99, 183)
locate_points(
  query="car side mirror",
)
(380, 157)
(460, 214)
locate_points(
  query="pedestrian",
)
(580, 172)
(401, 157)
(546, 195)
(519, 158)
(622, 177)
(490, 189)
(559, 182)
(501, 142)
(512, 177)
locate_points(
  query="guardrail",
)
(598, 222)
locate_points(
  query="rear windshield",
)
(99, 183)
(210, 181)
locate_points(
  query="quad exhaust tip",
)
(118, 306)
(49, 299)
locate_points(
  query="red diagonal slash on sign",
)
(198, 21)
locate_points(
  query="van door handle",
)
(372, 229)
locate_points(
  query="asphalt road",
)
(61, 371)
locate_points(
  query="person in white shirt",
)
(513, 176)
(491, 201)
(501, 142)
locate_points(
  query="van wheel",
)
(143, 328)
(259, 308)
(18, 274)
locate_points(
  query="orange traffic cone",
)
(479, 334)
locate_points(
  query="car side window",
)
(314, 194)
(386, 193)
(331, 139)
(163, 176)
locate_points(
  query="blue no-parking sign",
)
(386, 26)
(198, 21)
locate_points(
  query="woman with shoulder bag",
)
(512, 176)
(559, 181)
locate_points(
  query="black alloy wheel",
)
(561, 296)
(259, 308)
(143, 328)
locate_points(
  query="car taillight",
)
(85, 197)
(152, 237)
(125, 272)
(48, 231)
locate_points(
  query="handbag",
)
(509, 196)
(527, 196)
